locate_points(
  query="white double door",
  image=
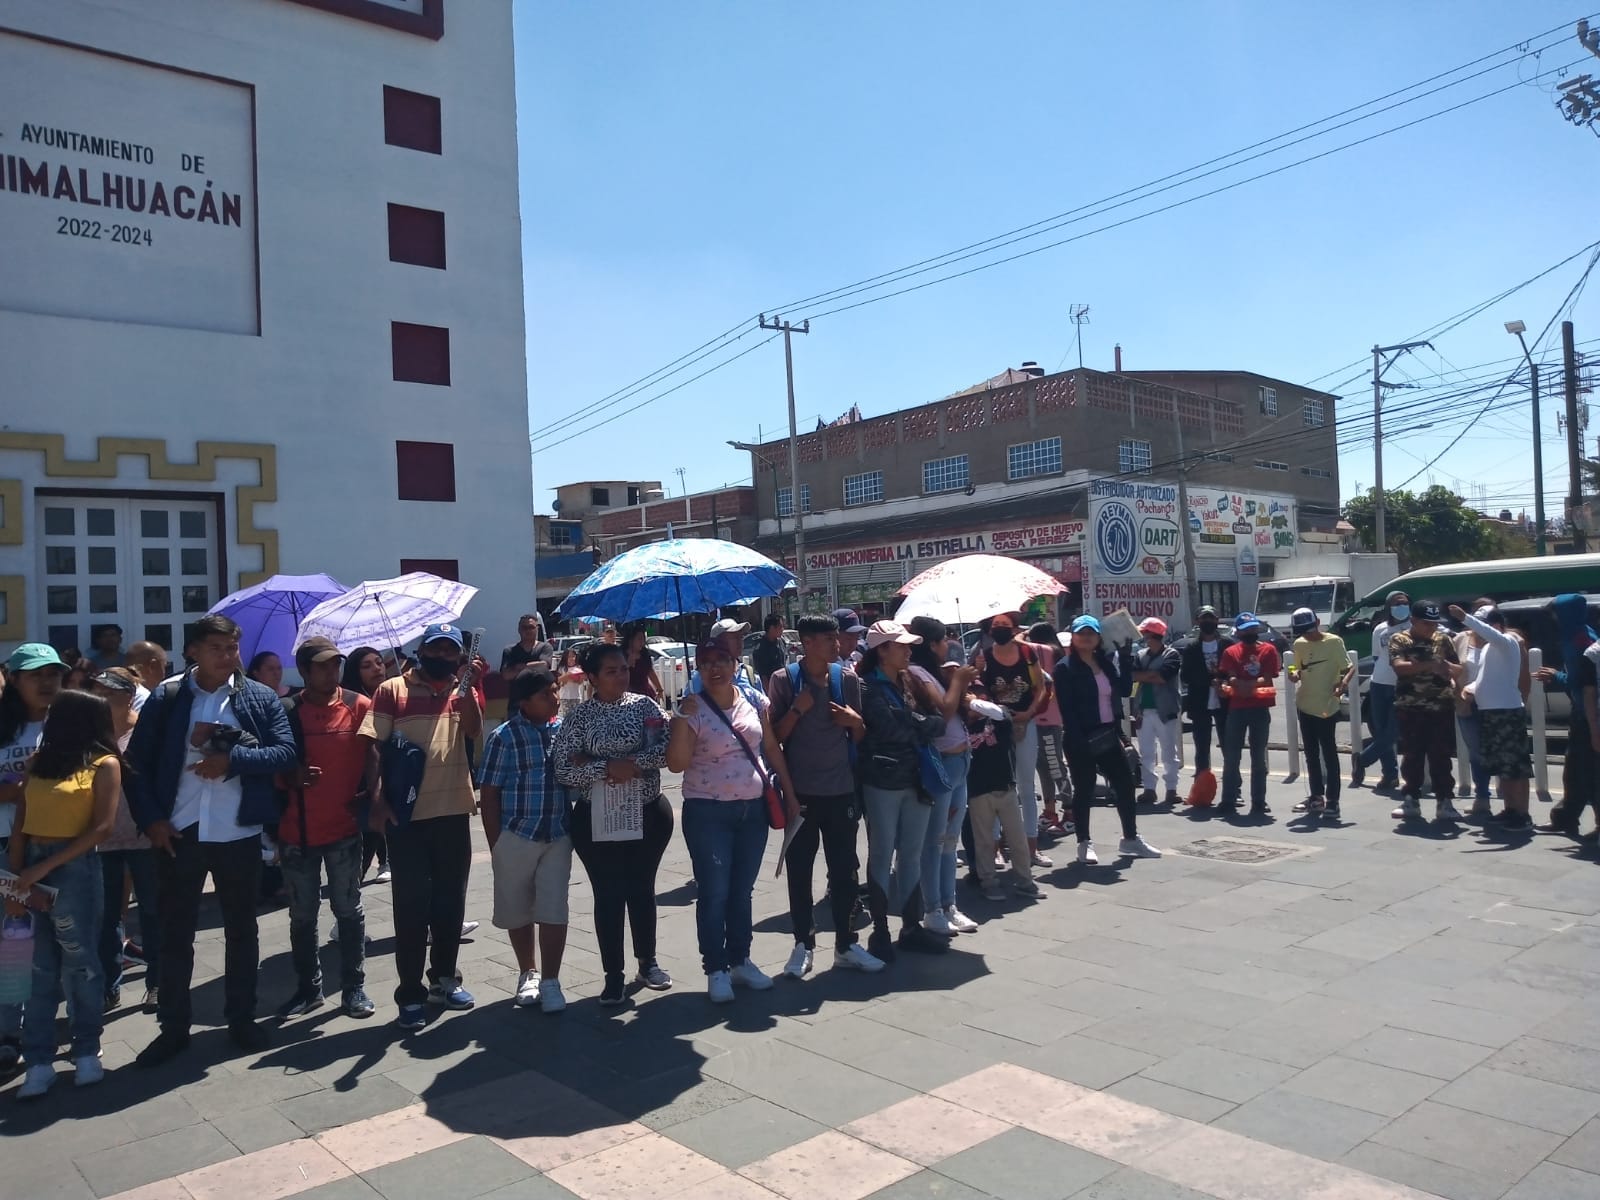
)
(149, 565)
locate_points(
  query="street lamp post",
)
(1517, 328)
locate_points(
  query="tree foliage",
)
(1425, 528)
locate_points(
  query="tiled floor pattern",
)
(595, 1154)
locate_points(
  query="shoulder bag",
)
(777, 817)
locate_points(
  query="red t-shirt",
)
(333, 745)
(1251, 669)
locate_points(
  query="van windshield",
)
(1281, 601)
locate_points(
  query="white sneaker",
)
(1137, 847)
(747, 974)
(1409, 809)
(527, 989)
(1043, 863)
(89, 1070)
(959, 921)
(550, 998)
(41, 1077)
(856, 958)
(1086, 853)
(719, 987)
(936, 921)
(1445, 811)
(799, 964)
(468, 926)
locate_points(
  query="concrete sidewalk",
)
(1271, 1010)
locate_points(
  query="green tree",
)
(1423, 528)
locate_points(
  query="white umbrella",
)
(973, 587)
(387, 612)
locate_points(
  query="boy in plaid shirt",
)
(526, 814)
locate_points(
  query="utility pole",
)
(1379, 501)
(1517, 329)
(1191, 583)
(1569, 359)
(777, 323)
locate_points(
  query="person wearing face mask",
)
(1009, 674)
(1202, 699)
(1248, 672)
(430, 849)
(1383, 730)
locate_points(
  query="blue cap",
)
(1085, 622)
(1246, 620)
(448, 633)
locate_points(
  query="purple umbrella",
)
(269, 614)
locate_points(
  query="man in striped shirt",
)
(526, 813)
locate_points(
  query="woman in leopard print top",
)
(619, 738)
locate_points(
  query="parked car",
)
(570, 642)
(673, 662)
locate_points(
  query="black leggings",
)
(373, 845)
(831, 822)
(1319, 734)
(1113, 764)
(623, 876)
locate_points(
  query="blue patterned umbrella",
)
(681, 575)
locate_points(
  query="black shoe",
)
(248, 1036)
(1388, 783)
(299, 1004)
(1358, 776)
(165, 1048)
(113, 998)
(881, 946)
(615, 992)
(1230, 806)
(1331, 812)
(10, 1055)
(1568, 828)
(1260, 810)
(357, 1004)
(917, 940)
(1148, 796)
(1514, 821)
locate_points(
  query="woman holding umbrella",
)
(610, 749)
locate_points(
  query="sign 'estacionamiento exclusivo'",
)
(127, 190)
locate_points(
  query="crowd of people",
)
(143, 783)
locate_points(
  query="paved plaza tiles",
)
(1279, 1011)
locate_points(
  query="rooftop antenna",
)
(1079, 314)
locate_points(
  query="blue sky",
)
(686, 165)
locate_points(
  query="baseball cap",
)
(30, 656)
(1246, 620)
(883, 632)
(711, 646)
(1084, 622)
(1393, 596)
(448, 633)
(728, 625)
(1302, 620)
(1427, 610)
(1206, 610)
(1153, 625)
(315, 650)
(849, 622)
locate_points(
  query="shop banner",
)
(1136, 552)
(1224, 518)
(1011, 540)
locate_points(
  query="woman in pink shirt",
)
(723, 745)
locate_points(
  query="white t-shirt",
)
(1382, 668)
(1213, 652)
(213, 804)
(14, 756)
(1499, 667)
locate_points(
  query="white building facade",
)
(260, 306)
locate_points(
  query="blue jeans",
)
(944, 835)
(141, 864)
(1380, 745)
(302, 876)
(66, 958)
(727, 839)
(897, 824)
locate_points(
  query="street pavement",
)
(1272, 1010)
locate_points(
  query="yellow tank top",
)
(60, 809)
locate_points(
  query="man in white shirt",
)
(1496, 693)
(1380, 746)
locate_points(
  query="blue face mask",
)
(1401, 612)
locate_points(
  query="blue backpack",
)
(402, 764)
(835, 693)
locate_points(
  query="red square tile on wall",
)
(425, 470)
(421, 353)
(444, 568)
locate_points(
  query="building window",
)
(866, 488)
(421, 353)
(786, 500)
(1133, 457)
(634, 494)
(1034, 458)
(1316, 472)
(945, 474)
(411, 120)
(1269, 401)
(564, 535)
(425, 470)
(1313, 414)
(600, 497)
(444, 568)
(416, 236)
(1263, 464)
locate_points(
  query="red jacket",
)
(1250, 669)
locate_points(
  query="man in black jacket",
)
(1202, 704)
(770, 655)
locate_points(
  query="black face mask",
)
(436, 668)
(1248, 636)
(1002, 634)
(1208, 627)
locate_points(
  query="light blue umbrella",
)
(269, 613)
(677, 576)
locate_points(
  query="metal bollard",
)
(1355, 694)
(1291, 719)
(1541, 743)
